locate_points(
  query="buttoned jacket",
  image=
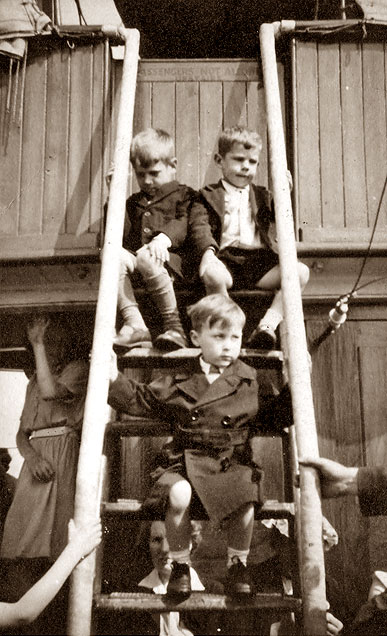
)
(242, 398)
(208, 211)
(167, 213)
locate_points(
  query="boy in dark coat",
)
(155, 231)
(232, 228)
(214, 406)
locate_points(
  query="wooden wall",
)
(340, 141)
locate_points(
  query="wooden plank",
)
(32, 160)
(10, 149)
(256, 120)
(56, 143)
(337, 397)
(375, 129)
(142, 119)
(187, 133)
(164, 107)
(97, 136)
(78, 201)
(234, 104)
(210, 125)
(353, 135)
(186, 70)
(331, 149)
(309, 203)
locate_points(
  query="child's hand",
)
(158, 248)
(85, 538)
(36, 330)
(210, 260)
(41, 468)
(109, 174)
(334, 625)
(113, 371)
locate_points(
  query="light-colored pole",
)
(309, 515)
(96, 411)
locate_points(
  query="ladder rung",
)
(271, 509)
(142, 357)
(198, 601)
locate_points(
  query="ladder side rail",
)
(310, 515)
(96, 411)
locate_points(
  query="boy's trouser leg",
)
(159, 285)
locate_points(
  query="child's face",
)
(159, 547)
(150, 179)
(220, 345)
(239, 165)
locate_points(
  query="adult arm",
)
(82, 541)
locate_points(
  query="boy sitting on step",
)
(214, 405)
(155, 230)
(232, 227)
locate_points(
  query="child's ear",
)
(218, 159)
(194, 337)
(173, 162)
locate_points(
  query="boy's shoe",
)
(171, 340)
(263, 337)
(179, 585)
(128, 338)
(239, 583)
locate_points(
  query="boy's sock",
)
(241, 554)
(132, 317)
(161, 289)
(272, 319)
(181, 556)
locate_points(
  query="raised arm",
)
(82, 541)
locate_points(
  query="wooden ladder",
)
(115, 509)
(309, 600)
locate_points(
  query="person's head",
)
(217, 324)
(152, 155)
(238, 155)
(5, 458)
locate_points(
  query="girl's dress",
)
(36, 524)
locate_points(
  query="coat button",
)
(146, 230)
(195, 415)
(147, 214)
(226, 421)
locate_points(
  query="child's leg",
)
(177, 521)
(127, 304)
(160, 287)
(239, 533)
(264, 335)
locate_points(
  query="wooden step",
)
(197, 602)
(132, 508)
(143, 357)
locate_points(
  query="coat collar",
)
(194, 382)
(164, 191)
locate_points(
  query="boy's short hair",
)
(240, 135)
(213, 309)
(150, 146)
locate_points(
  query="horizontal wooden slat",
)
(197, 602)
(210, 70)
(271, 509)
(139, 358)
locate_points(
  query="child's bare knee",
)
(180, 495)
(303, 273)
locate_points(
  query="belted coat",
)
(211, 425)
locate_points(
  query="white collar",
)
(231, 189)
(206, 366)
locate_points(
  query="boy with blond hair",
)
(154, 235)
(214, 405)
(233, 230)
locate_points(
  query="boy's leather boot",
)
(239, 583)
(173, 336)
(179, 585)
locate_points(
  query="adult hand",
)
(86, 537)
(40, 468)
(336, 480)
(36, 329)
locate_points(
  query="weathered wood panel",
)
(350, 396)
(339, 107)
